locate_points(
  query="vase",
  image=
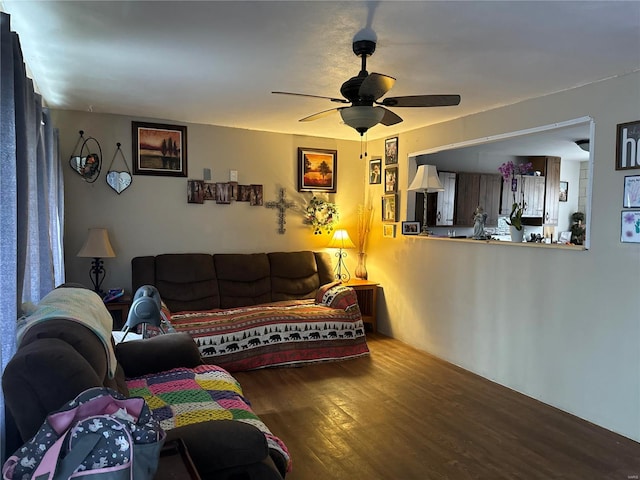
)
(516, 235)
(361, 269)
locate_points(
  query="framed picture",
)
(564, 191)
(628, 146)
(391, 180)
(410, 228)
(391, 151)
(565, 237)
(631, 191)
(159, 149)
(390, 208)
(317, 170)
(195, 191)
(630, 227)
(389, 230)
(375, 170)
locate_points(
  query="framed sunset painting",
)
(317, 170)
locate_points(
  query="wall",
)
(560, 326)
(152, 216)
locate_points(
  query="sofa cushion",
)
(294, 275)
(243, 279)
(187, 281)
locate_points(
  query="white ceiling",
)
(217, 62)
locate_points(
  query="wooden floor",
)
(403, 414)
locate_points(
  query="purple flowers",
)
(509, 169)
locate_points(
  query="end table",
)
(367, 292)
(119, 310)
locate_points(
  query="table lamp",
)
(97, 246)
(341, 241)
(426, 181)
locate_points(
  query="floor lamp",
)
(426, 181)
(97, 246)
(341, 241)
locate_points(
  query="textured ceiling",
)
(217, 62)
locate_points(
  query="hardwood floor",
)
(403, 414)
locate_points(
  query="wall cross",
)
(282, 206)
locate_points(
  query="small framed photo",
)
(391, 179)
(628, 146)
(564, 191)
(565, 237)
(390, 208)
(630, 227)
(389, 230)
(317, 170)
(391, 151)
(631, 191)
(410, 228)
(375, 170)
(159, 149)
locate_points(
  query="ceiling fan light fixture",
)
(361, 118)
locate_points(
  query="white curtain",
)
(31, 205)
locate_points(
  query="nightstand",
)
(119, 310)
(367, 292)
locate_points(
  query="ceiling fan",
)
(363, 93)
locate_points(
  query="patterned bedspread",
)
(281, 333)
(183, 396)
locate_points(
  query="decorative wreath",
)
(321, 215)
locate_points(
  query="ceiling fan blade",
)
(337, 100)
(389, 117)
(318, 115)
(376, 85)
(422, 101)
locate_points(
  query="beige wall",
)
(560, 326)
(152, 216)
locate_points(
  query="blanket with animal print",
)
(183, 396)
(277, 334)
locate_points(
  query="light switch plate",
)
(206, 174)
(233, 175)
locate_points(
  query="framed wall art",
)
(375, 171)
(159, 149)
(391, 179)
(564, 191)
(630, 227)
(390, 208)
(628, 146)
(389, 230)
(317, 170)
(391, 151)
(631, 191)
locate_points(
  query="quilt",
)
(183, 396)
(285, 333)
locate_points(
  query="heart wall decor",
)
(88, 160)
(119, 181)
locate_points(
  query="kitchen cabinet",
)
(549, 167)
(473, 189)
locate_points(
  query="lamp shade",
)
(97, 245)
(426, 180)
(341, 240)
(362, 118)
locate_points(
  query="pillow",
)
(341, 297)
(324, 288)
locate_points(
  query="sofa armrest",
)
(157, 354)
(224, 448)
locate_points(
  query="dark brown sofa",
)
(58, 359)
(255, 310)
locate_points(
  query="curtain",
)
(31, 205)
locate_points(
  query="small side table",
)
(119, 310)
(367, 292)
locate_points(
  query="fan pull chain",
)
(365, 145)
